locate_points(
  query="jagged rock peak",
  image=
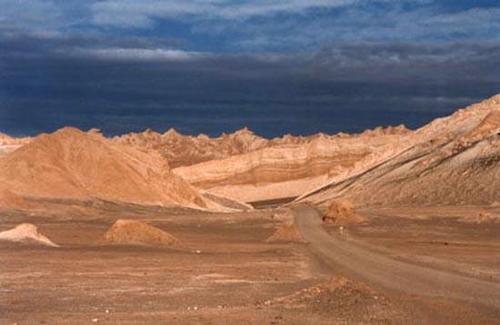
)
(173, 133)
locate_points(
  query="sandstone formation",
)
(452, 161)
(26, 233)
(248, 168)
(133, 232)
(71, 164)
(183, 150)
(286, 170)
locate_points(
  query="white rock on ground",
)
(26, 233)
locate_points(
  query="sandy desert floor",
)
(225, 272)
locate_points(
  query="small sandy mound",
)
(341, 213)
(26, 233)
(132, 232)
(335, 290)
(346, 301)
(286, 233)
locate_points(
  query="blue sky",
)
(215, 65)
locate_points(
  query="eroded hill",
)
(72, 164)
(453, 161)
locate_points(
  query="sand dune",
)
(77, 165)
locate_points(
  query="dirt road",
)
(387, 272)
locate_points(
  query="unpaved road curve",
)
(384, 271)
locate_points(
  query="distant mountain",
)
(452, 160)
(182, 150)
(289, 166)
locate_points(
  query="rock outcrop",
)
(184, 150)
(248, 168)
(452, 161)
(288, 170)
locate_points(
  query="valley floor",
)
(225, 272)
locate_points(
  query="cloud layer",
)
(214, 65)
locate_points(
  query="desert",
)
(389, 225)
(260, 162)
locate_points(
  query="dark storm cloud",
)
(467, 61)
(121, 85)
(210, 66)
(355, 61)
